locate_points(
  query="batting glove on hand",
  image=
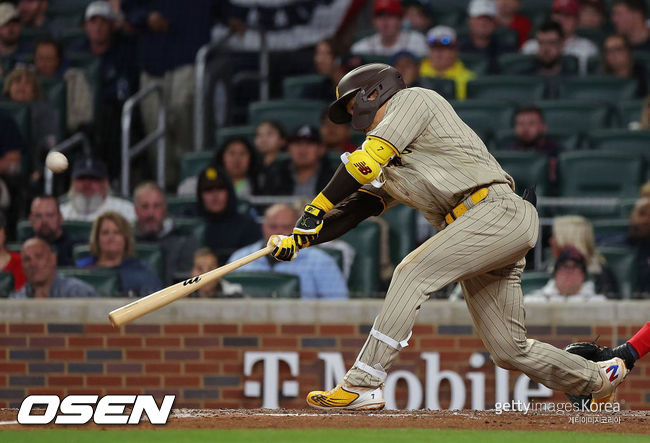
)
(285, 247)
(308, 226)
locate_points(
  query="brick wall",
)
(201, 362)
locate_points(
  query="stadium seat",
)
(449, 13)
(55, 94)
(504, 138)
(193, 226)
(266, 284)
(531, 281)
(623, 141)
(292, 87)
(506, 37)
(622, 262)
(289, 113)
(105, 281)
(526, 168)
(536, 10)
(599, 174)
(6, 284)
(477, 63)
(516, 63)
(598, 88)
(226, 132)
(627, 204)
(13, 246)
(629, 112)
(72, 36)
(147, 252)
(180, 205)
(375, 58)
(609, 229)
(192, 163)
(597, 36)
(443, 86)
(71, 11)
(575, 115)
(518, 89)
(485, 116)
(401, 233)
(364, 276)
(336, 254)
(78, 229)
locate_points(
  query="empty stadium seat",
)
(527, 168)
(518, 89)
(610, 229)
(193, 226)
(6, 284)
(477, 63)
(598, 88)
(289, 113)
(568, 140)
(77, 228)
(292, 87)
(531, 281)
(622, 140)
(516, 63)
(622, 262)
(485, 117)
(192, 163)
(180, 205)
(364, 277)
(575, 115)
(402, 231)
(629, 112)
(443, 86)
(226, 132)
(105, 281)
(266, 284)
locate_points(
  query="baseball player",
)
(420, 153)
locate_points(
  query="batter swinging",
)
(420, 153)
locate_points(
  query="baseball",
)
(56, 162)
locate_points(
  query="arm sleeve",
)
(407, 116)
(349, 213)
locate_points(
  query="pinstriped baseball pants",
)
(484, 249)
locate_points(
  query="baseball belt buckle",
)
(466, 205)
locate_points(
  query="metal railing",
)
(157, 136)
(77, 139)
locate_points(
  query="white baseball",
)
(56, 162)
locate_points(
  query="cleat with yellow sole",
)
(347, 397)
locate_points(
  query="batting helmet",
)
(361, 83)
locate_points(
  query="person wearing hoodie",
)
(226, 230)
(153, 226)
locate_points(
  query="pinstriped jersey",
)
(441, 160)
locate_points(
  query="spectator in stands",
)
(577, 231)
(305, 172)
(47, 223)
(237, 157)
(530, 132)
(569, 283)
(639, 238)
(443, 60)
(170, 34)
(48, 60)
(153, 226)
(319, 274)
(325, 64)
(592, 14)
(90, 195)
(481, 38)
(112, 246)
(409, 66)
(33, 16)
(270, 140)
(226, 229)
(417, 15)
(205, 260)
(390, 37)
(509, 16)
(43, 281)
(10, 260)
(618, 61)
(336, 138)
(22, 86)
(630, 20)
(12, 48)
(12, 146)
(550, 43)
(565, 13)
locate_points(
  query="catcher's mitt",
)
(593, 352)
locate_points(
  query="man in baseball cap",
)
(443, 61)
(390, 37)
(89, 194)
(9, 30)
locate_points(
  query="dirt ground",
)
(619, 422)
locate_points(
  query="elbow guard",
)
(365, 164)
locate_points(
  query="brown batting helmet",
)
(360, 84)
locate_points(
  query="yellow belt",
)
(466, 205)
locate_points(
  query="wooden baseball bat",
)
(157, 300)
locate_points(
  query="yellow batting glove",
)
(285, 247)
(308, 226)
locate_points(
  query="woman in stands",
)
(270, 141)
(577, 231)
(238, 158)
(618, 61)
(112, 246)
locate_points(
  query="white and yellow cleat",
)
(348, 397)
(612, 372)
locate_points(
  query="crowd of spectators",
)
(116, 47)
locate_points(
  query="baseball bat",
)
(158, 299)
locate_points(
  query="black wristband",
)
(340, 185)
